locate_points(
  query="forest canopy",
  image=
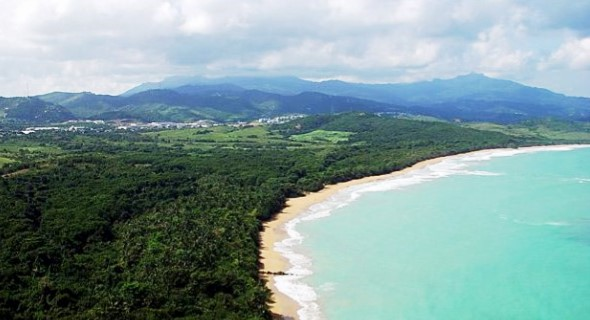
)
(165, 224)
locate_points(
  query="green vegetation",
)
(473, 97)
(248, 137)
(4, 161)
(190, 103)
(219, 134)
(34, 110)
(323, 136)
(162, 225)
(551, 129)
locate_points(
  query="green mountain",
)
(280, 85)
(216, 102)
(33, 110)
(472, 97)
(84, 104)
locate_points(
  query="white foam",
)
(557, 223)
(301, 266)
(540, 224)
(290, 284)
(328, 287)
(483, 173)
(582, 180)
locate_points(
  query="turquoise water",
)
(494, 235)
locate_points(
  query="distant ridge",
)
(220, 102)
(468, 97)
(471, 97)
(281, 85)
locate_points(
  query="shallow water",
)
(492, 235)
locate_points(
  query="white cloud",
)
(108, 45)
(496, 51)
(374, 12)
(166, 14)
(573, 54)
(400, 52)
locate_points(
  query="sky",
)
(110, 46)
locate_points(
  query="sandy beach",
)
(273, 262)
(274, 230)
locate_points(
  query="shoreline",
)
(273, 262)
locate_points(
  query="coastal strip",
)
(274, 264)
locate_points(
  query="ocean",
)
(496, 234)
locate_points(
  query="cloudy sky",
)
(109, 46)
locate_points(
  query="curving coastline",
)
(282, 273)
(273, 262)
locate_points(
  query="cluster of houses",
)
(104, 126)
(128, 125)
(280, 119)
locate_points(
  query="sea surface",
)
(501, 234)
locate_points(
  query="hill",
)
(84, 104)
(472, 97)
(33, 110)
(221, 102)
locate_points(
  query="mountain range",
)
(472, 97)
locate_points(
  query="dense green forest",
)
(165, 224)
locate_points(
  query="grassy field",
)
(15, 151)
(264, 137)
(217, 134)
(541, 130)
(235, 137)
(197, 139)
(511, 130)
(323, 136)
(16, 147)
(4, 161)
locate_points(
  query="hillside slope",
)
(472, 97)
(469, 97)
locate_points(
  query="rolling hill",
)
(34, 110)
(223, 102)
(472, 97)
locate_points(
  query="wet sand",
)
(274, 230)
(273, 262)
